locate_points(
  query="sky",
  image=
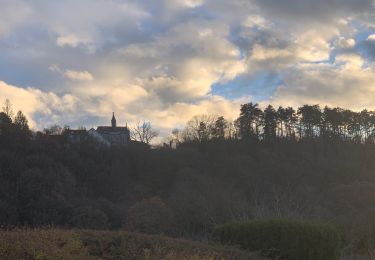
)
(74, 62)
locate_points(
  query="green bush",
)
(286, 239)
(89, 218)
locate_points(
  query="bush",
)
(361, 240)
(149, 216)
(89, 218)
(287, 239)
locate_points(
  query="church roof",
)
(75, 132)
(103, 129)
(114, 129)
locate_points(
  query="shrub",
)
(361, 240)
(149, 216)
(286, 239)
(89, 218)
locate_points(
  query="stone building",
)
(114, 135)
(76, 136)
(108, 135)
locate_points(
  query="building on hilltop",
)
(76, 136)
(114, 135)
(108, 135)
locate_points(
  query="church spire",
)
(113, 120)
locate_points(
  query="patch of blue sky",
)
(361, 38)
(260, 86)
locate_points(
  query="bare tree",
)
(176, 135)
(143, 132)
(233, 130)
(21, 121)
(175, 138)
(55, 130)
(199, 128)
(8, 108)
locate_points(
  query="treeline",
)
(219, 172)
(307, 122)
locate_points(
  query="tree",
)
(249, 120)
(281, 121)
(365, 121)
(175, 138)
(310, 120)
(21, 121)
(203, 132)
(5, 119)
(143, 132)
(270, 123)
(220, 127)
(233, 130)
(55, 130)
(291, 120)
(8, 108)
(199, 128)
(334, 122)
(354, 126)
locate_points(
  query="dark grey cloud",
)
(314, 10)
(369, 49)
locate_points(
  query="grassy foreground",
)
(84, 244)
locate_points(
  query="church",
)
(108, 135)
(114, 135)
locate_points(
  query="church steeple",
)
(113, 120)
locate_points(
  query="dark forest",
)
(313, 164)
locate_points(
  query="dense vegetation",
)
(282, 238)
(309, 164)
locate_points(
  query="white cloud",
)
(78, 75)
(344, 43)
(193, 3)
(353, 62)
(348, 86)
(257, 20)
(159, 59)
(185, 61)
(33, 101)
(314, 45)
(179, 113)
(69, 40)
(72, 74)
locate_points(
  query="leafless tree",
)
(8, 108)
(55, 130)
(143, 132)
(174, 138)
(21, 121)
(233, 130)
(199, 128)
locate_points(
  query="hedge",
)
(285, 239)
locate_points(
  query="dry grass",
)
(41, 244)
(77, 244)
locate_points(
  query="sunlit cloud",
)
(166, 61)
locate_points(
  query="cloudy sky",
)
(73, 62)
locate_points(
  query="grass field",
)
(86, 244)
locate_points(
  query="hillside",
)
(76, 244)
(187, 191)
